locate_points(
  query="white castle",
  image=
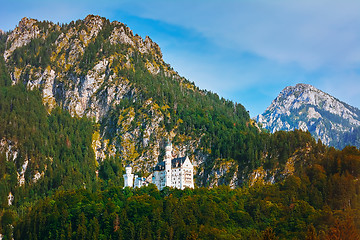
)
(172, 172)
(177, 172)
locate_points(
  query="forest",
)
(321, 201)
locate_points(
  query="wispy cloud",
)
(310, 33)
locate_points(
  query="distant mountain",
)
(305, 107)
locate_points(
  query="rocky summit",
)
(307, 108)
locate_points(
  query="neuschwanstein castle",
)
(171, 172)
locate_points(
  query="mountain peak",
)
(26, 23)
(94, 20)
(302, 87)
(22, 35)
(305, 107)
(93, 17)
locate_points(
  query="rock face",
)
(91, 94)
(305, 107)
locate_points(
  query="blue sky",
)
(244, 50)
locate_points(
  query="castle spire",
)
(168, 150)
(167, 160)
(128, 177)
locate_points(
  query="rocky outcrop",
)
(11, 152)
(121, 34)
(21, 35)
(9, 148)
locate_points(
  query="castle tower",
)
(167, 160)
(128, 177)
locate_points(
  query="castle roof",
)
(175, 163)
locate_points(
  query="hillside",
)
(102, 74)
(307, 108)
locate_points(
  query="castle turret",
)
(167, 160)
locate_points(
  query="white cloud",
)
(344, 86)
(310, 33)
